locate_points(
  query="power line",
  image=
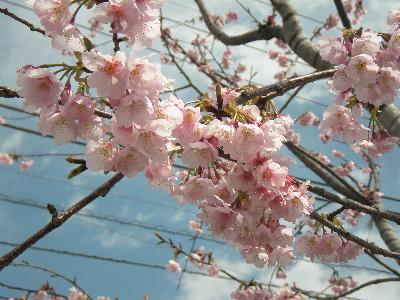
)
(103, 258)
(300, 15)
(133, 223)
(87, 188)
(108, 218)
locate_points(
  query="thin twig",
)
(31, 27)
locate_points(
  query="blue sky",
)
(132, 199)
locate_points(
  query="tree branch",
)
(277, 89)
(361, 286)
(347, 203)
(347, 235)
(58, 220)
(6, 92)
(263, 32)
(294, 36)
(325, 173)
(383, 264)
(342, 14)
(31, 27)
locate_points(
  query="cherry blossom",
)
(54, 15)
(110, 73)
(173, 266)
(26, 164)
(39, 87)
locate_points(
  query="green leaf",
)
(77, 171)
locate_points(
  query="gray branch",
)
(262, 33)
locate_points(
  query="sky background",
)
(131, 200)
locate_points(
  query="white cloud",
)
(12, 143)
(206, 288)
(107, 237)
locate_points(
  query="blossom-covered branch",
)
(371, 247)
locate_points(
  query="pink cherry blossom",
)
(196, 189)
(213, 270)
(75, 294)
(133, 110)
(309, 119)
(99, 155)
(26, 164)
(393, 17)
(271, 175)
(6, 159)
(369, 44)
(69, 41)
(199, 154)
(308, 245)
(328, 246)
(130, 161)
(110, 73)
(173, 266)
(362, 68)
(60, 126)
(333, 51)
(195, 226)
(160, 175)
(39, 87)
(54, 15)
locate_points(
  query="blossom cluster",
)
(265, 294)
(9, 159)
(47, 293)
(234, 169)
(367, 77)
(328, 247)
(341, 285)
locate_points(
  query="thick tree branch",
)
(390, 119)
(263, 33)
(342, 14)
(58, 219)
(325, 173)
(294, 36)
(386, 231)
(347, 203)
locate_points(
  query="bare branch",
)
(342, 14)
(325, 173)
(263, 32)
(58, 220)
(26, 264)
(31, 27)
(277, 89)
(6, 92)
(347, 203)
(361, 286)
(383, 264)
